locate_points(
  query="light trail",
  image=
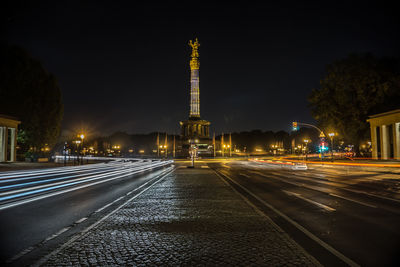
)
(51, 173)
(355, 164)
(56, 179)
(33, 191)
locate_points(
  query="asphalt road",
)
(339, 215)
(54, 210)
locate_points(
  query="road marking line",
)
(19, 255)
(104, 207)
(57, 234)
(369, 194)
(75, 237)
(245, 175)
(298, 226)
(353, 200)
(81, 220)
(118, 199)
(309, 200)
(204, 167)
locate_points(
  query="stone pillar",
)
(396, 140)
(384, 142)
(374, 142)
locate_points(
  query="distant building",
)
(195, 131)
(8, 138)
(385, 135)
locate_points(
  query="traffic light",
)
(323, 146)
(294, 125)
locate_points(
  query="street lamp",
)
(331, 135)
(77, 142)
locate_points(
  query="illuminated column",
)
(396, 140)
(194, 80)
(374, 142)
(384, 142)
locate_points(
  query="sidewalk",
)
(190, 218)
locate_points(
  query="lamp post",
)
(82, 136)
(306, 141)
(77, 142)
(331, 135)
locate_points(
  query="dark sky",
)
(125, 66)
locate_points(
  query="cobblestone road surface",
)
(190, 218)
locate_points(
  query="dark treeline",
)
(247, 141)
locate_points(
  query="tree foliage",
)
(353, 89)
(30, 93)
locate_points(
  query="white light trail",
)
(100, 174)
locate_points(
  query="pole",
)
(166, 145)
(230, 145)
(222, 144)
(173, 153)
(82, 152)
(332, 148)
(158, 144)
(65, 154)
(214, 143)
(306, 151)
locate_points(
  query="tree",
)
(30, 93)
(353, 89)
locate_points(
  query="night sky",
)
(125, 66)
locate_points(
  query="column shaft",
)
(384, 142)
(374, 143)
(396, 140)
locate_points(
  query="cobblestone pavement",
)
(190, 218)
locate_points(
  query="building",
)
(385, 135)
(194, 130)
(8, 138)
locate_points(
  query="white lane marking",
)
(81, 220)
(298, 226)
(245, 175)
(57, 234)
(75, 237)
(369, 194)
(118, 199)
(19, 255)
(309, 200)
(104, 207)
(353, 200)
